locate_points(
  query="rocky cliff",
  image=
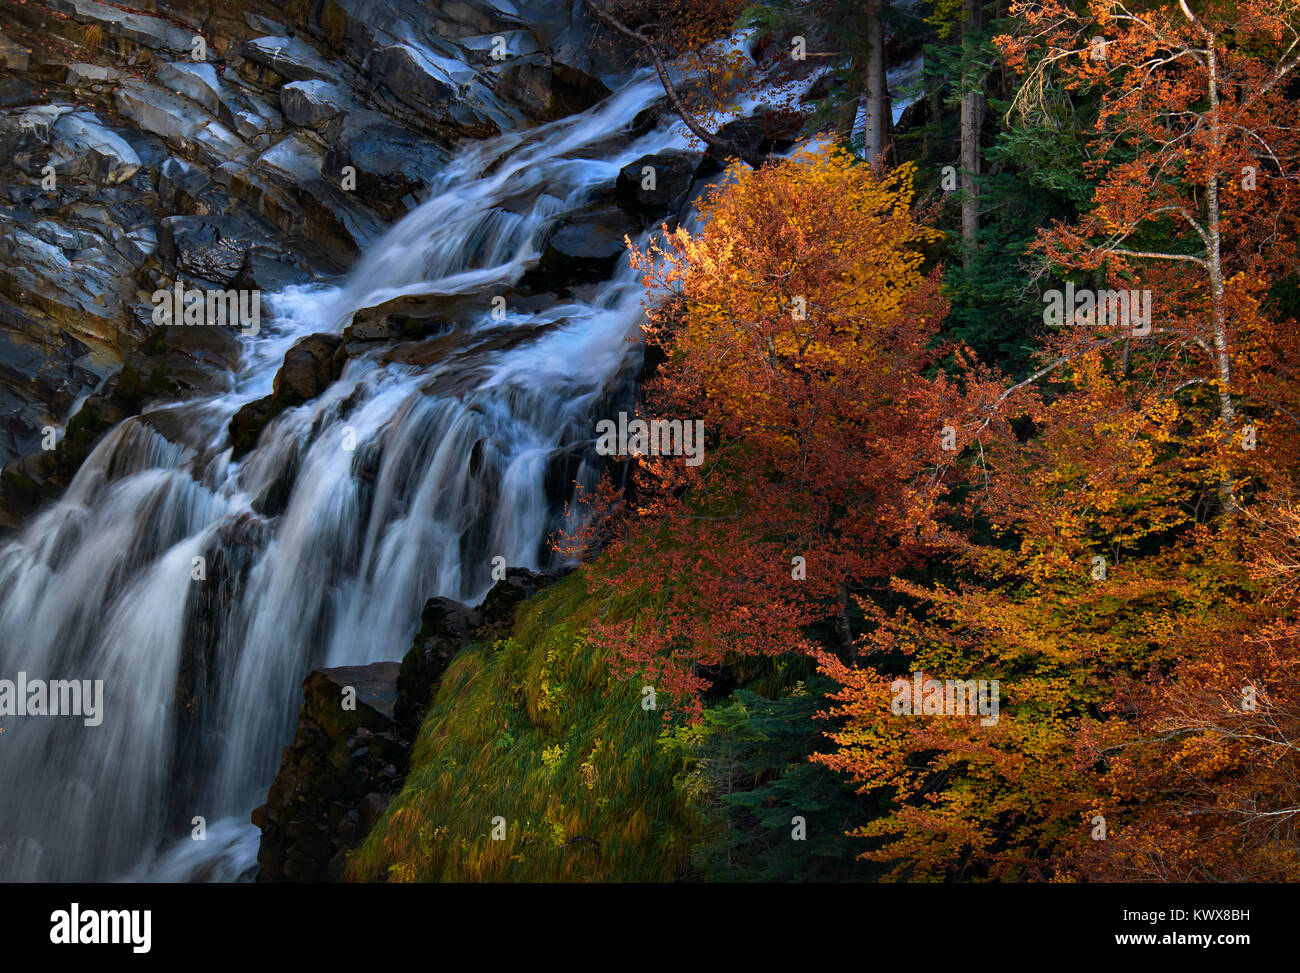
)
(355, 731)
(249, 145)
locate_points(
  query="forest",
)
(926, 463)
(650, 441)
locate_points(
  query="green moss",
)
(537, 730)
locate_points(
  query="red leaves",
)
(824, 465)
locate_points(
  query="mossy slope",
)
(535, 729)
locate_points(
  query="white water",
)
(99, 586)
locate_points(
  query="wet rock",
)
(412, 316)
(302, 201)
(310, 104)
(585, 246)
(446, 627)
(562, 467)
(177, 362)
(498, 607)
(435, 92)
(391, 161)
(210, 248)
(768, 130)
(171, 364)
(658, 194)
(197, 731)
(335, 780)
(268, 59)
(197, 81)
(648, 118)
(84, 146)
(247, 424)
(309, 368)
(548, 89)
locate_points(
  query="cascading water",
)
(315, 553)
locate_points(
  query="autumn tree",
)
(1208, 780)
(798, 327)
(706, 75)
(1101, 584)
(1196, 158)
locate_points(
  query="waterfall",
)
(311, 553)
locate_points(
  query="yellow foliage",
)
(801, 264)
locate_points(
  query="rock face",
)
(345, 762)
(583, 246)
(654, 187)
(548, 89)
(251, 144)
(355, 732)
(310, 104)
(309, 367)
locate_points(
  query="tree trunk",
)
(1222, 357)
(665, 78)
(972, 121)
(875, 90)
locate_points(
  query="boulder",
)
(309, 367)
(246, 425)
(497, 609)
(584, 246)
(766, 131)
(308, 370)
(655, 186)
(346, 761)
(445, 628)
